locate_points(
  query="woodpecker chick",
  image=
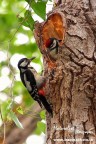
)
(33, 82)
(52, 45)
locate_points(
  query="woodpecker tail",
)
(46, 104)
(36, 98)
(39, 102)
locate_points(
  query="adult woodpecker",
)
(33, 82)
(52, 45)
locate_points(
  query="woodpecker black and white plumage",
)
(33, 82)
(52, 45)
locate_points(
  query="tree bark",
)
(72, 89)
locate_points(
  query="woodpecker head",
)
(24, 62)
(52, 43)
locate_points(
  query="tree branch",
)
(18, 136)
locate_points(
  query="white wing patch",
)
(27, 83)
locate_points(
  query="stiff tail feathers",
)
(39, 102)
(46, 105)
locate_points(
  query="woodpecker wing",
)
(40, 80)
(30, 83)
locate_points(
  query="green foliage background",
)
(15, 17)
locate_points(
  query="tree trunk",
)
(72, 89)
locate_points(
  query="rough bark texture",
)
(72, 89)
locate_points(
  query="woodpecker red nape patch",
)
(48, 43)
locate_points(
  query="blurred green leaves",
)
(5, 109)
(15, 119)
(7, 23)
(42, 114)
(20, 110)
(41, 127)
(27, 20)
(11, 12)
(8, 114)
(39, 7)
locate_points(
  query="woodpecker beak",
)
(60, 40)
(31, 59)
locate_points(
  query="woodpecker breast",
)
(40, 80)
